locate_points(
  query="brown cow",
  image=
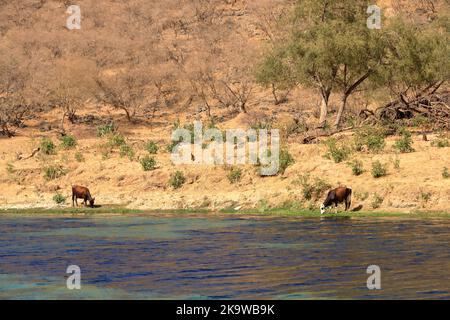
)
(336, 196)
(79, 192)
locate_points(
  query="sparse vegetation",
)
(372, 138)
(441, 143)
(377, 201)
(379, 169)
(148, 163)
(54, 172)
(445, 173)
(79, 157)
(116, 140)
(10, 168)
(151, 147)
(59, 199)
(177, 180)
(127, 150)
(425, 196)
(313, 188)
(337, 151)
(234, 175)
(47, 146)
(357, 167)
(286, 160)
(68, 142)
(106, 129)
(404, 143)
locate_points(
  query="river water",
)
(223, 257)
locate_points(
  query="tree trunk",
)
(323, 110)
(341, 110)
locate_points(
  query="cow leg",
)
(76, 202)
(73, 203)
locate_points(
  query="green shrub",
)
(404, 143)
(445, 173)
(79, 157)
(234, 175)
(378, 169)
(377, 201)
(126, 150)
(116, 140)
(54, 172)
(148, 163)
(373, 138)
(47, 146)
(337, 152)
(441, 143)
(151, 147)
(59, 198)
(68, 142)
(177, 179)
(357, 167)
(106, 129)
(286, 160)
(310, 189)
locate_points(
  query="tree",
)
(13, 105)
(330, 48)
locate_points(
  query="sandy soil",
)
(417, 185)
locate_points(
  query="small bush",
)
(425, 196)
(234, 175)
(177, 180)
(106, 129)
(441, 143)
(337, 152)
(362, 196)
(377, 201)
(148, 163)
(79, 157)
(310, 189)
(47, 146)
(357, 167)
(54, 172)
(286, 160)
(445, 173)
(68, 142)
(59, 199)
(373, 138)
(126, 150)
(10, 168)
(116, 140)
(151, 147)
(378, 169)
(404, 144)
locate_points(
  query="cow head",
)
(91, 202)
(322, 208)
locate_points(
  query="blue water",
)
(223, 258)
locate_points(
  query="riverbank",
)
(273, 212)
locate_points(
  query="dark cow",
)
(79, 192)
(336, 196)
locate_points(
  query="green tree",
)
(330, 48)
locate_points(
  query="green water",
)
(223, 257)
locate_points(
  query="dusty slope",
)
(118, 180)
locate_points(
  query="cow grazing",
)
(79, 192)
(336, 196)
